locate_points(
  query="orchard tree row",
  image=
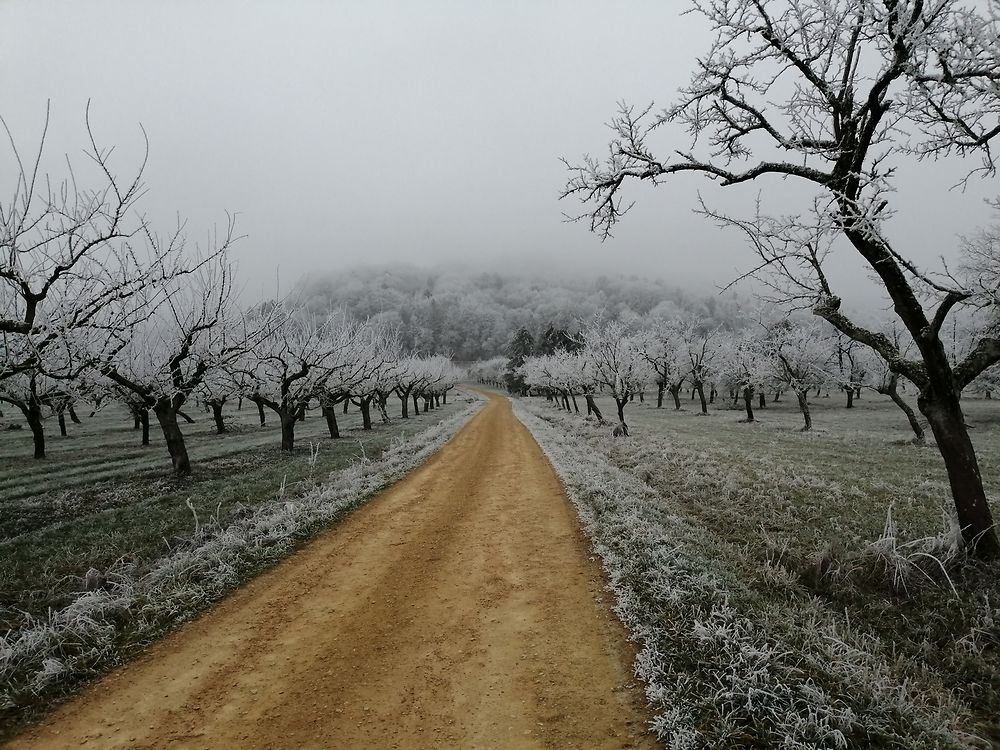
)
(96, 306)
(796, 355)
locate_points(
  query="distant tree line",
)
(470, 316)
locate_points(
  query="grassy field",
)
(785, 543)
(101, 500)
(836, 483)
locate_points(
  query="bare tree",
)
(743, 366)
(31, 391)
(662, 348)
(701, 346)
(288, 367)
(833, 91)
(66, 256)
(166, 357)
(616, 361)
(800, 358)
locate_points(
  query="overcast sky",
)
(370, 132)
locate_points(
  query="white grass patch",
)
(724, 666)
(98, 627)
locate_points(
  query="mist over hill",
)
(471, 314)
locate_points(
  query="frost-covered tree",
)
(285, 368)
(34, 393)
(440, 375)
(700, 347)
(557, 375)
(800, 359)
(831, 93)
(215, 390)
(366, 368)
(744, 366)
(409, 380)
(70, 262)
(489, 371)
(166, 357)
(989, 382)
(663, 349)
(851, 374)
(617, 363)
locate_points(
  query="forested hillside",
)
(471, 315)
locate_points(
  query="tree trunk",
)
(621, 408)
(892, 392)
(416, 405)
(748, 403)
(136, 424)
(944, 412)
(73, 415)
(761, 400)
(220, 425)
(711, 395)
(288, 419)
(166, 415)
(576, 408)
(366, 413)
(804, 408)
(330, 412)
(659, 395)
(261, 414)
(850, 397)
(347, 402)
(444, 397)
(144, 423)
(592, 408)
(61, 416)
(33, 414)
(700, 387)
(405, 400)
(675, 391)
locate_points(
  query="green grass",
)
(834, 483)
(779, 512)
(100, 499)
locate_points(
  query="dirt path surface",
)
(460, 608)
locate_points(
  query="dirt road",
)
(458, 609)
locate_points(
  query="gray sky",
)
(369, 132)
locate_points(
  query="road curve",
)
(460, 608)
